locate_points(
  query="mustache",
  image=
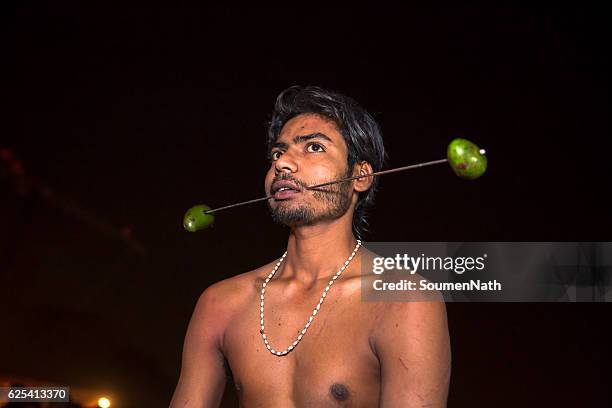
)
(304, 186)
(299, 183)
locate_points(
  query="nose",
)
(285, 163)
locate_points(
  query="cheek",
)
(323, 172)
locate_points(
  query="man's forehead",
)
(308, 124)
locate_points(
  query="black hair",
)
(359, 129)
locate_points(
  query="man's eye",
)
(275, 155)
(315, 148)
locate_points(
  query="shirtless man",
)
(354, 353)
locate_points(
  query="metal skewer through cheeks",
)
(465, 158)
(378, 173)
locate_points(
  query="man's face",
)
(309, 150)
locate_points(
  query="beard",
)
(335, 198)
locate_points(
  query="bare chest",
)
(333, 364)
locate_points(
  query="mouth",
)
(284, 193)
(284, 189)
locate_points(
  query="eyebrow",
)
(303, 138)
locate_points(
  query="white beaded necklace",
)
(314, 312)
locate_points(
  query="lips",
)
(285, 189)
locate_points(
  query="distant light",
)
(104, 402)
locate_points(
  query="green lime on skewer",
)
(466, 159)
(196, 219)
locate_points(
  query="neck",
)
(317, 251)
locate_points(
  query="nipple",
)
(339, 391)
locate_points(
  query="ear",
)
(362, 184)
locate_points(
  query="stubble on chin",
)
(336, 200)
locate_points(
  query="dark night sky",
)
(135, 114)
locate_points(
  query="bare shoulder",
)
(406, 311)
(388, 284)
(412, 343)
(238, 286)
(203, 370)
(414, 314)
(221, 301)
